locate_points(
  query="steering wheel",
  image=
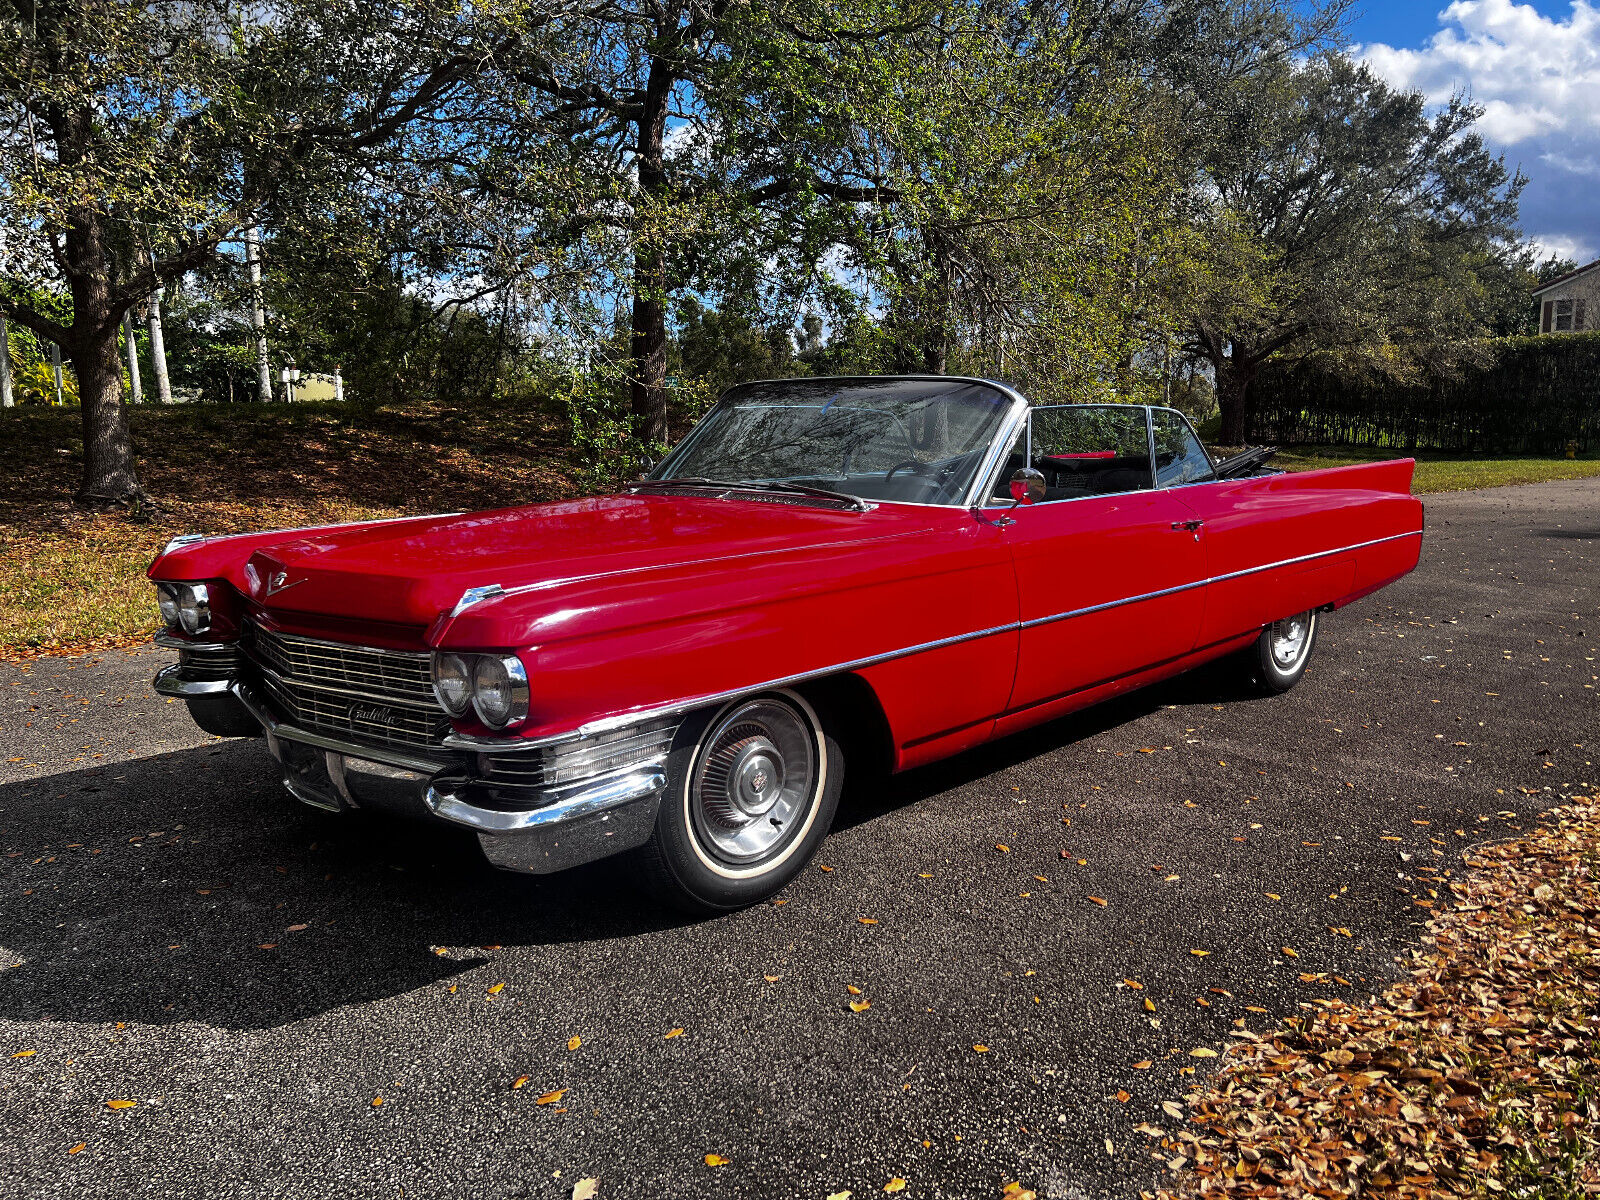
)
(917, 468)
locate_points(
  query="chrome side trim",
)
(1094, 608)
(1289, 562)
(641, 715)
(169, 681)
(1185, 587)
(293, 733)
(457, 741)
(586, 802)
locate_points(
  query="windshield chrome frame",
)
(1007, 429)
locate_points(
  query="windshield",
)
(914, 440)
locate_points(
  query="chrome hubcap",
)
(754, 781)
(1289, 639)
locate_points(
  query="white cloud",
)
(1537, 79)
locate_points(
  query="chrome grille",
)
(373, 695)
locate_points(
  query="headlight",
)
(185, 606)
(499, 690)
(167, 601)
(452, 683)
(194, 607)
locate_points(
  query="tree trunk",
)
(135, 389)
(55, 371)
(258, 313)
(6, 400)
(648, 348)
(108, 472)
(158, 350)
(1234, 400)
(109, 477)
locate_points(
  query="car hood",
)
(406, 573)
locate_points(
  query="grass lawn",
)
(1438, 472)
(72, 581)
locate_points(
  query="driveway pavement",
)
(255, 975)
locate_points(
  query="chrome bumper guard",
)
(534, 829)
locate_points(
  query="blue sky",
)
(1535, 68)
(1411, 24)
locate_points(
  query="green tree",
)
(1340, 218)
(137, 140)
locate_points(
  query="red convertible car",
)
(878, 572)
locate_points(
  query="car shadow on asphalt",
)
(1212, 683)
(145, 892)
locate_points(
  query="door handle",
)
(1187, 526)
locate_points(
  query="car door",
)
(1109, 569)
(1272, 543)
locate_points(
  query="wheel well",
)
(862, 725)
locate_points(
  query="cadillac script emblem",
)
(372, 714)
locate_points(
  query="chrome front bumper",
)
(545, 829)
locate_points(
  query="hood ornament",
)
(278, 581)
(475, 595)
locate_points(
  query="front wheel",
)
(751, 792)
(1279, 657)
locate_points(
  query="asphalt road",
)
(174, 930)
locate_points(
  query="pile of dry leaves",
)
(1477, 1077)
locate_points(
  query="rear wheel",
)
(1279, 657)
(751, 791)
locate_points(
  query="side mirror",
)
(1027, 486)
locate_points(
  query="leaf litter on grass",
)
(1478, 1076)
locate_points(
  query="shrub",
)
(1534, 395)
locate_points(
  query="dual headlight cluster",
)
(495, 686)
(185, 606)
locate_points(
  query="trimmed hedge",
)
(1539, 394)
